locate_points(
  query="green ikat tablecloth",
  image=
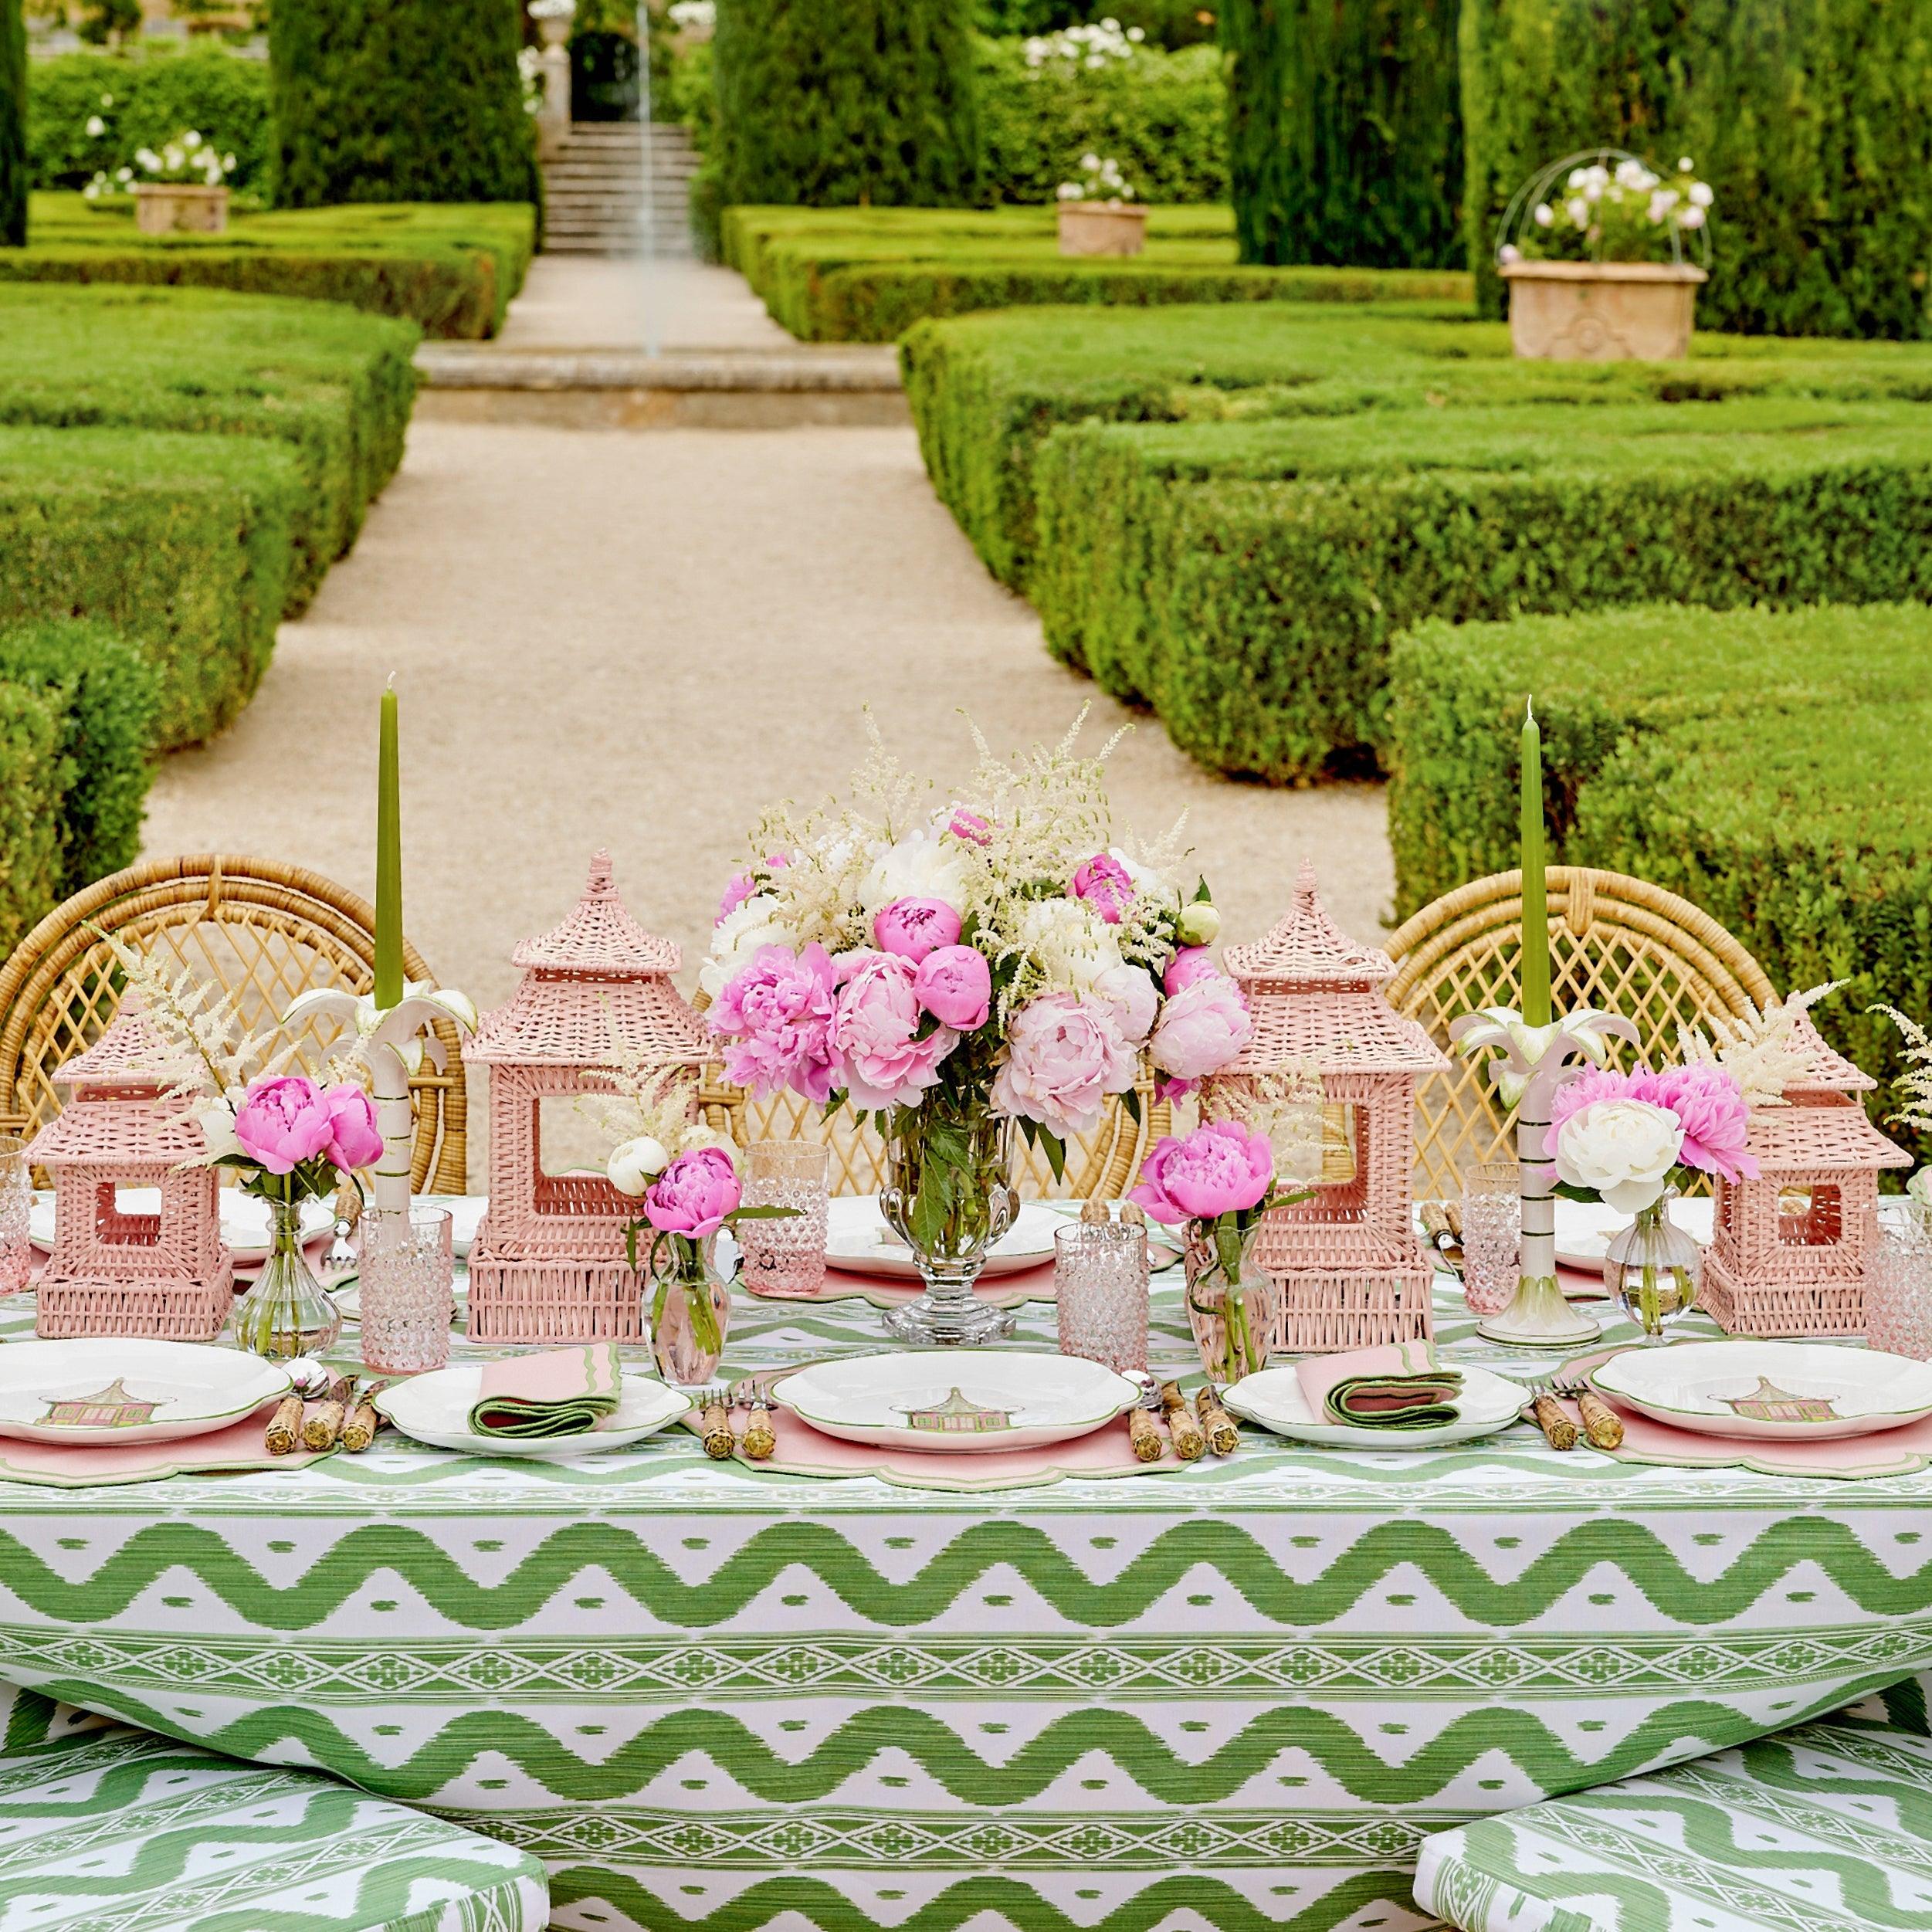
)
(1235, 1695)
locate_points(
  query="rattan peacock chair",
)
(1103, 1163)
(266, 931)
(1615, 943)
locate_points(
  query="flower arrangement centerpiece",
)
(1631, 1141)
(1218, 1183)
(997, 965)
(287, 1139)
(1594, 248)
(684, 1177)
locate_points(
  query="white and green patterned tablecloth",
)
(1234, 1696)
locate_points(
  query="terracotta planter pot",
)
(1102, 228)
(1601, 311)
(178, 208)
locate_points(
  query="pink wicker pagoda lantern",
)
(1788, 1257)
(112, 1272)
(548, 1261)
(1352, 1273)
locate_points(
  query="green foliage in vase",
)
(1770, 766)
(451, 268)
(1345, 140)
(836, 102)
(13, 126)
(399, 100)
(1812, 123)
(1227, 516)
(76, 714)
(866, 275)
(90, 113)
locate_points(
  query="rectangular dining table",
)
(714, 1698)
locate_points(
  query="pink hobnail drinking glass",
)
(1100, 1289)
(16, 1214)
(408, 1294)
(785, 1257)
(1492, 1236)
(1898, 1284)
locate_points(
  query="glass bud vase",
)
(1232, 1303)
(949, 1210)
(1653, 1269)
(288, 1312)
(690, 1310)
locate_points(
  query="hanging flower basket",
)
(1601, 311)
(180, 207)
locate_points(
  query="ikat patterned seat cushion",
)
(106, 1829)
(1825, 1828)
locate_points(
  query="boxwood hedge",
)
(180, 542)
(1769, 765)
(335, 385)
(866, 275)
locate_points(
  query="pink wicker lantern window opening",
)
(1352, 1273)
(111, 1272)
(548, 1261)
(1788, 1257)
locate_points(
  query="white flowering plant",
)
(189, 160)
(1614, 208)
(1100, 181)
(1096, 43)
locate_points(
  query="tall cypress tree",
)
(13, 126)
(1344, 125)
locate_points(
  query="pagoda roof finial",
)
(130, 1053)
(1307, 948)
(599, 938)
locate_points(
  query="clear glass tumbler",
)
(16, 1214)
(1100, 1285)
(1492, 1236)
(408, 1293)
(1898, 1285)
(785, 1256)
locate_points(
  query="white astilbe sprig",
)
(1915, 1083)
(1046, 808)
(1759, 1049)
(647, 1098)
(210, 1054)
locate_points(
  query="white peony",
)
(700, 1136)
(635, 1164)
(216, 1120)
(736, 938)
(921, 865)
(1147, 883)
(1073, 945)
(1135, 999)
(1622, 1150)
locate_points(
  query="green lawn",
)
(451, 269)
(866, 275)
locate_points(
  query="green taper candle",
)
(1536, 905)
(389, 902)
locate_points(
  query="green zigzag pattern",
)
(1162, 1774)
(334, 1580)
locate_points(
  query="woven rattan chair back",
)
(1615, 943)
(1104, 1162)
(264, 931)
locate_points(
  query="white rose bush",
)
(1615, 209)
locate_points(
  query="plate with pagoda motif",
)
(127, 1390)
(1784, 1391)
(930, 1399)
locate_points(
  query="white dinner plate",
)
(932, 1399)
(125, 1390)
(466, 1214)
(858, 1241)
(435, 1408)
(1273, 1397)
(1786, 1391)
(245, 1220)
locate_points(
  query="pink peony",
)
(1219, 1169)
(1202, 1029)
(777, 1015)
(913, 927)
(283, 1121)
(1600, 1083)
(1135, 997)
(742, 885)
(354, 1140)
(1715, 1121)
(1064, 1056)
(1190, 964)
(1105, 884)
(970, 826)
(880, 1059)
(693, 1194)
(955, 985)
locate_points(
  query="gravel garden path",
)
(639, 639)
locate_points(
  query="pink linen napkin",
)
(1400, 1385)
(564, 1391)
